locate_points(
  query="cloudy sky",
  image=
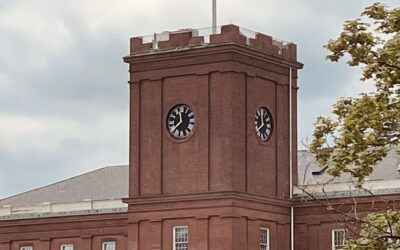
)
(63, 85)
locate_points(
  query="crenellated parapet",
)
(228, 34)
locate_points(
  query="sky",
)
(63, 85)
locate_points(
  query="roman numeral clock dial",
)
(263, 124)
(180, 121)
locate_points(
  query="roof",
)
(387, 169)
(111, 183)
(106, 183)
(384, 180)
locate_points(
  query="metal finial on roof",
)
(214, 16)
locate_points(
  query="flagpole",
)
(214, 16)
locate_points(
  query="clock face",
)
(180, 121)
(263, 124)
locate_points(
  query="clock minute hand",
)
(262, 124)
(179, 123)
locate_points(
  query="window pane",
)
(67, 247)
(264, 238)
(26, 248)
(109, 245)
(181, 238)
(338, 238)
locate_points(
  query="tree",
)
(368, 126)
(379, 231)
(365, 128)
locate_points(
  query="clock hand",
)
(257, 129)
(262, 124)
(179, 123)
(176, 126)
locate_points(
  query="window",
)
(392, 233)
(338, 238)
(181, 238)
(264, 238)
(26, 248)
(67, 247)
(109, 245)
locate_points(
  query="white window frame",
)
(262, 244)
(26, 248)
(174, 238)
(67, 247)
(391, 240)
(111, 242)
(344, 231)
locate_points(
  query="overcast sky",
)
(63, 85)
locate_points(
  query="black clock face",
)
(263, 124)
(180, 121)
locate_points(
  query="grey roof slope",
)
(387, 169)
(102, 184)
(112, 182)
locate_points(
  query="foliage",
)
(366, 127)
(380, 231)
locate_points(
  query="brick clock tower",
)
(209, 141)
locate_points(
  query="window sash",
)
(264, 238)
(180, 238)
(108, 245)
(338, 238)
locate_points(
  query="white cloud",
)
(49, 134)
(21, 134)
(356, 86)
(40, 33)
(42, 29)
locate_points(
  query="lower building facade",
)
(221, 221)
